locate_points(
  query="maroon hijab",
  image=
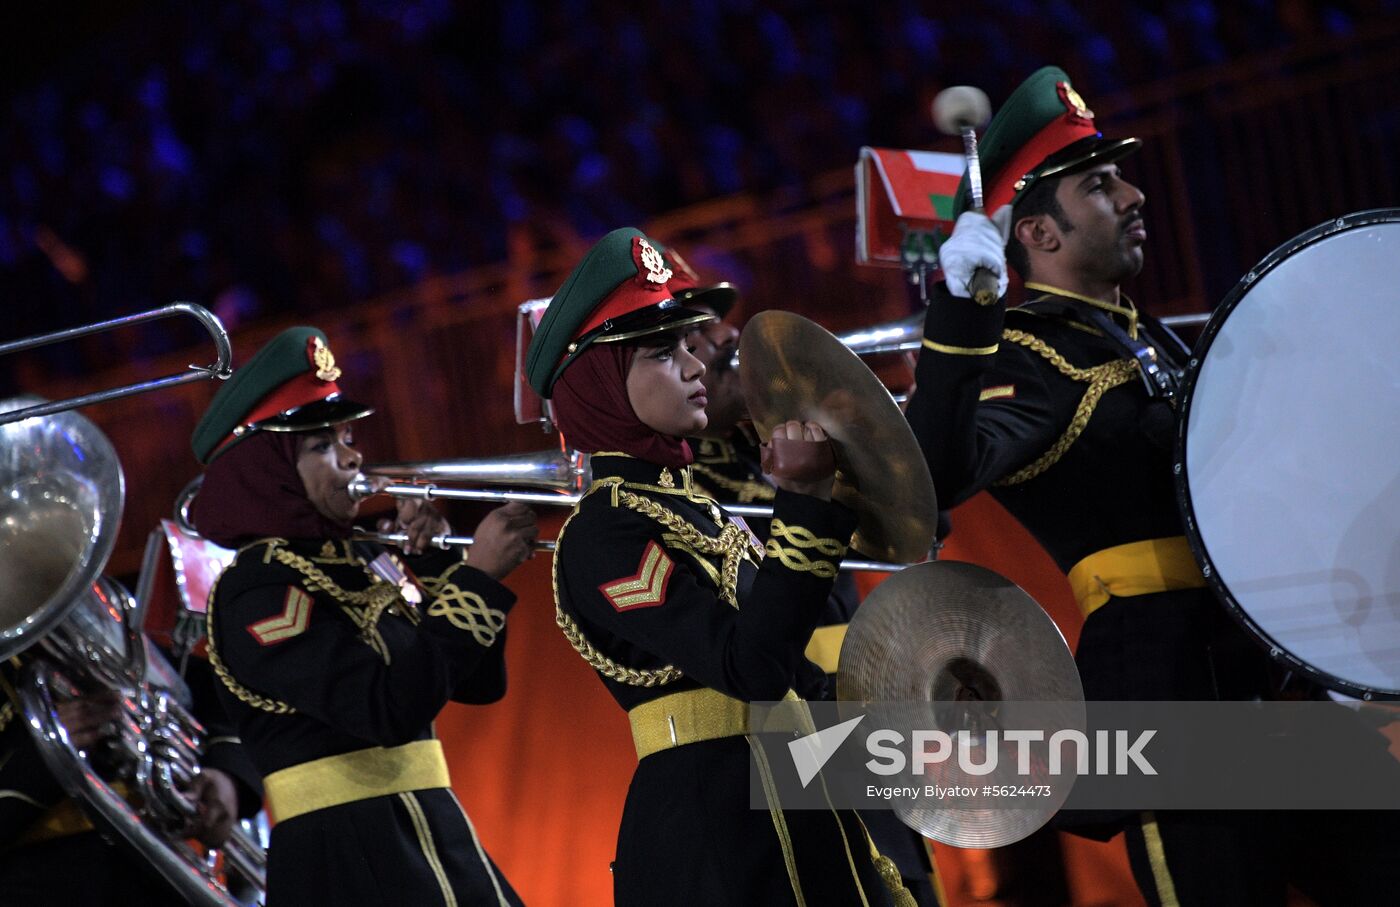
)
(593, 412)
(253, 490)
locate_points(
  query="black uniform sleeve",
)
(968, 442)
(624, 579)
(485, 682)
(222, 748)
(381, 684)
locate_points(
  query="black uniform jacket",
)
(319, 656)
(662, 594)
(1035, 405)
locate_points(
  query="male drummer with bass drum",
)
(1062, 408)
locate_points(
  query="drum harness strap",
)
(1161, 356)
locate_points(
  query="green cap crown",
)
(617, 292)
(288, 385)
(1044, 129)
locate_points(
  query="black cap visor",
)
(719, 298)
(321, 414)
(1086, 153)
(664, 317)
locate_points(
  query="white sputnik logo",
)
(811, 752)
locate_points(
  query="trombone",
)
(561, 477)
(221, 368)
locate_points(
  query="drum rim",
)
(1275, 650)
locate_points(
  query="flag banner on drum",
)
(994, 772)
(899, 191)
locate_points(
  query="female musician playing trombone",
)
(333, 673)
(675, 605)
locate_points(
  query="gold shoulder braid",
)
(266, 704)
(1100, 378)
(574, 634)
(795, 558)
(744, 490)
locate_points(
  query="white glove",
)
(978, 241)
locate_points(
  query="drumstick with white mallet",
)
(962, 110)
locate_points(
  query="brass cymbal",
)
(792, 368)
(946, 646)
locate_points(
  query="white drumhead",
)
(1293, 454)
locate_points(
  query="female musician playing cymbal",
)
(336, 658)
(677, 608)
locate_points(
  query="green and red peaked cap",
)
(288, 385)
(687, 288)
(1044, 129)
(617, 292)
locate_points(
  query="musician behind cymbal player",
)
(335, 657)
(51, 854)
(1046, 406)
(728, 468)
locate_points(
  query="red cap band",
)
(1058, 134)
(301, 390)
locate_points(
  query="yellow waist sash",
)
(1137, 568)
(67, 817)
(690, 716)
(347, 777)
(824, 648)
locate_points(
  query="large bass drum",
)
(1288, 453)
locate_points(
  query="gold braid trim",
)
(1100, 378)
(670, 540)
(744, 490)
(263, 703)
(596, 660)
(364, 608)
(7, 714)
(803, 537)
(797, 559)
(733, 545)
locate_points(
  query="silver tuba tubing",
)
(69, 766)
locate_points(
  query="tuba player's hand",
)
(217, 800)
(90, 718)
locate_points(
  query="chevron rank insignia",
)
(647, 587)
(999, 392)
(296, 614)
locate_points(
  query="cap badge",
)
(651, 260)
(1073, 102)
(320, 356)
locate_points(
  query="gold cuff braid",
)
(744, 490)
